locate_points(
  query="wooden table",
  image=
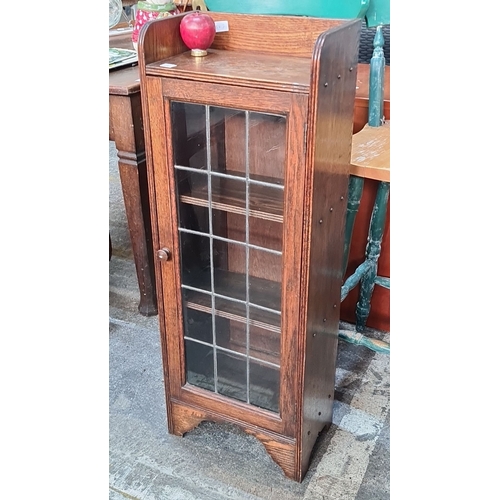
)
(370, 156)
(125, 129)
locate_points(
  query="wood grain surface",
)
(371, 151)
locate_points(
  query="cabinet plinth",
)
(248, 161)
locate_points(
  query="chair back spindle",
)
(376, 89)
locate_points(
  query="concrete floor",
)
(214, 461)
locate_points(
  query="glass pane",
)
(197, 317)
(227, 144)
(228, 194)
(264, 329)
(232, 375)
(231, 324)
(266, 203)
(195, 260)
(264, 335)
(231, 243)
(264, 274)
(192, 192)
(229, 269)
(264, 388)
(265, 282)
(229, 225)
(199, 365)
(189, 134)
(266, 235)
(267, 143)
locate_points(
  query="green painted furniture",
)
(370, 159)
(375, 12)
(335, 9)
(378, 13)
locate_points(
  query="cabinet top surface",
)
(274, 72)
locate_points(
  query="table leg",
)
(353, 200)
(126, 131)
(373, 249)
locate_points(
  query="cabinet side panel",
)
(160, 39)
(333, 87)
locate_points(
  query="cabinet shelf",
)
(235, 311)
(260, 342)
(229, 195)
(274, 72)
(263, 293)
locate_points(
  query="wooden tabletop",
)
(124, 81)
(371, 151)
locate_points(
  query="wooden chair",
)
(370, 159)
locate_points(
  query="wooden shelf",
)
(264, 339)
(232, 310)
(266, 71)
(229, 195)
(264, 293)
(265, 326)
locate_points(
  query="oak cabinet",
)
(248, 161)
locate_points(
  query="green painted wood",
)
(353, 200)
(377, 74)
(351, 282)
(373, 248)
(383, 282)
(335, 9)
(358, 338)
(379, 12)
(366, 273)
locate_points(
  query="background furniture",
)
(126, 130)
(379, 315)
(338, 9)
(370, 158)
(248, 226)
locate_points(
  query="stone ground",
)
(214, 461)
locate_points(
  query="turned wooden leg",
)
(373, 249)
(353, 200)
(128, 135)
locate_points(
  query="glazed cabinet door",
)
(235, 169)
(230, 228)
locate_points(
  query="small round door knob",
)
(164, 254)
